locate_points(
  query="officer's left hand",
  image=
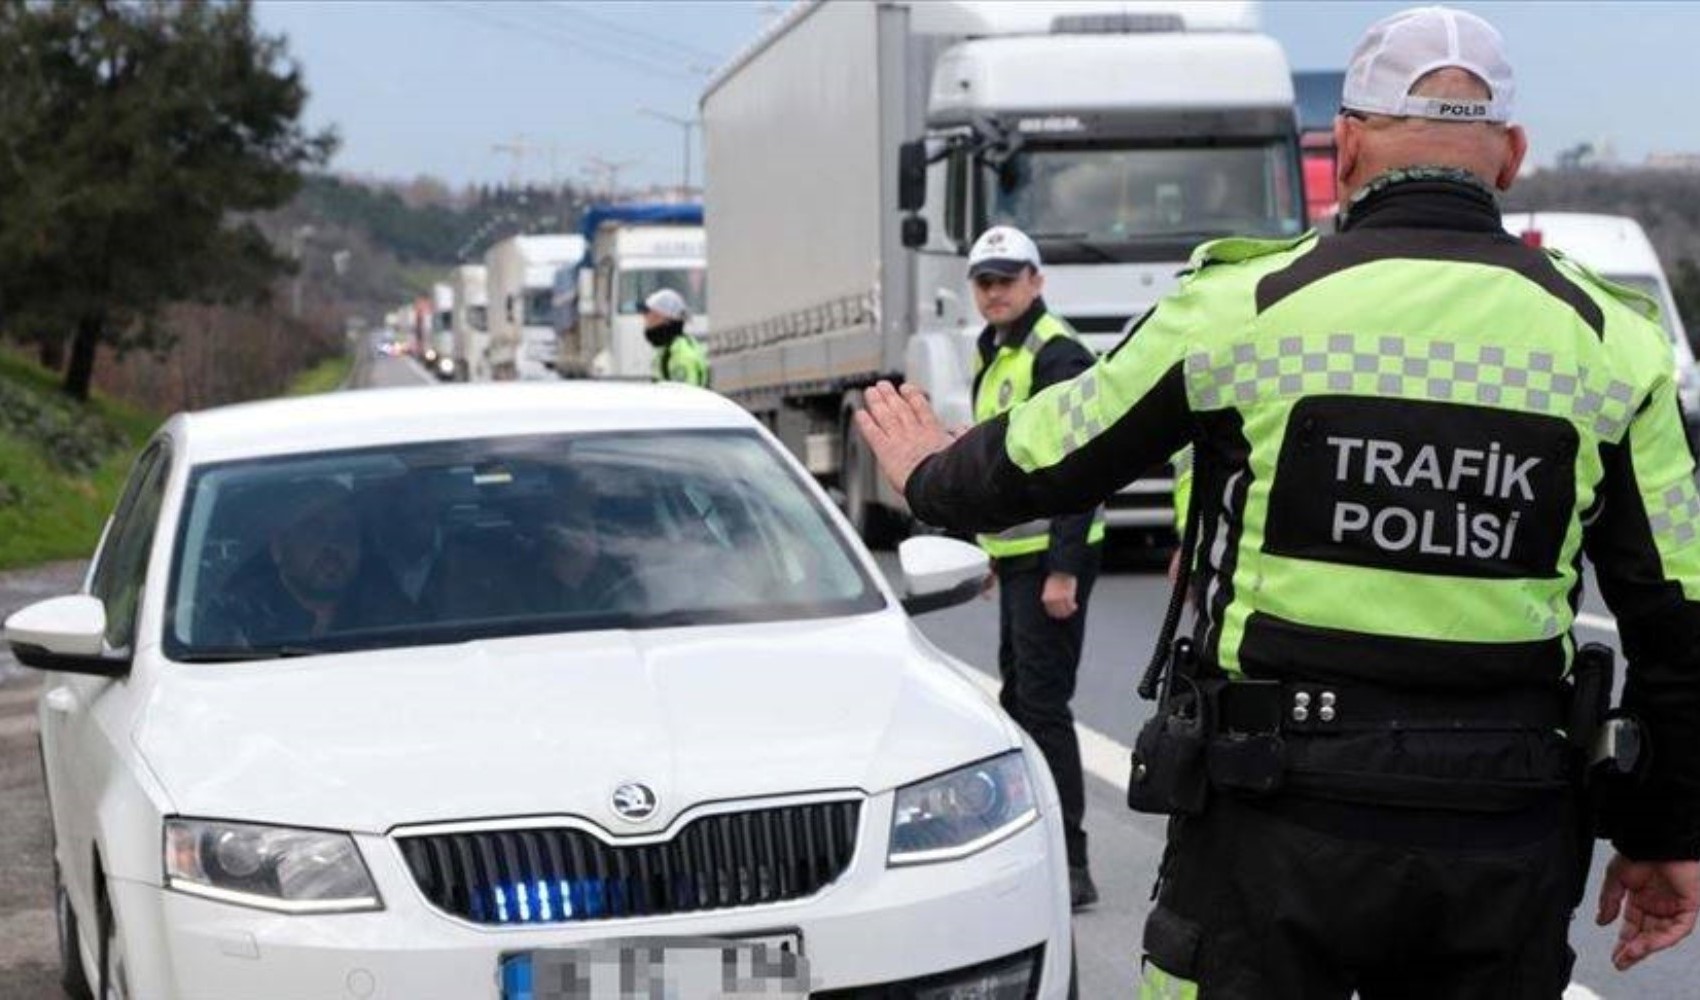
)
(1658, 899)
(1058, 596)
(900, 427)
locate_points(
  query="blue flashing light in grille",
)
(566, 900)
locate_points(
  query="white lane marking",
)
(1603, 623)
(1100, 756)
(1576, 991)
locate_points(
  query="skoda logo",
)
(634, 802)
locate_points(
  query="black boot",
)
(1081, 892)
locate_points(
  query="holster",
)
(1170, 774)
(1610, 744)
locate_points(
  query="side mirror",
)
(66, 634)
(912, 176)
(914, 231)
(940, 572)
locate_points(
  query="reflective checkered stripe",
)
(1660, 458)
(1515, 378)
(1006, 381)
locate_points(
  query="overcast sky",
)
(430, 88)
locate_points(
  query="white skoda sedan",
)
(525, 691)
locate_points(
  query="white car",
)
(477, 691)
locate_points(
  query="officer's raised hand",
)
(1658, 900)
(899, 425)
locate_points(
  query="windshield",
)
(691, 282)
(447, 542)
(1108, 195)
(539, 306)
(477, 317)
(1648, 285)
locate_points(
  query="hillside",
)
(61, 464)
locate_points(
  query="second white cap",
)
(1003, 250)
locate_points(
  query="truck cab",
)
(1118, 142)
(631, 250)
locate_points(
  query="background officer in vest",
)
(1045, 568)
(1406, 438)
(679, 357)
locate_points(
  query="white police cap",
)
(1003, 250)
(666, 302)
(1402, 48)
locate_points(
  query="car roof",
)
(376, 417)
(1609, 244)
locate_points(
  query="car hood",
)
(548, 725)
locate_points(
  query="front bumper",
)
(874, 925)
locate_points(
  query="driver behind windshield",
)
(580, 567)
(311, 577)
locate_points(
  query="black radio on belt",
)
(1170, 775)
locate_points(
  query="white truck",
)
(439, 348)
(1118, 135)
(520, 276)
(629, 260)
(469, 324)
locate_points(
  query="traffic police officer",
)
(679, 357)
(1045, 567)
(1406, 436)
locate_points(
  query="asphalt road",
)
(1123, 619)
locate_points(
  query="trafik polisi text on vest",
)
(1465, 473)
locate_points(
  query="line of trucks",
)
(854, 150)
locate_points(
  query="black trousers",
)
(1038, 659)
(1272, 899)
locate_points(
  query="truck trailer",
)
(520, 277)
(856, 149)
(469, 324)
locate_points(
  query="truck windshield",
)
(539, 306)
(637, 285)
(1109, 194)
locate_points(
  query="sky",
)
(431, 88)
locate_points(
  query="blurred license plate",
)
(662, 968)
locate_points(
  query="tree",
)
(135, 139)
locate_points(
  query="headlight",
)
(956, 814)
(270, 867)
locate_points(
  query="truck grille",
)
(566, 875)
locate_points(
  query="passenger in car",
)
(580, 569)
(311, 577)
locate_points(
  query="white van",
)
(1616, 248)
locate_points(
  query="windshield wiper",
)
(1077, 241)
(233, 654)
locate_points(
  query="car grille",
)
(567, 875)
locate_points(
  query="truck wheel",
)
(880, 526)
